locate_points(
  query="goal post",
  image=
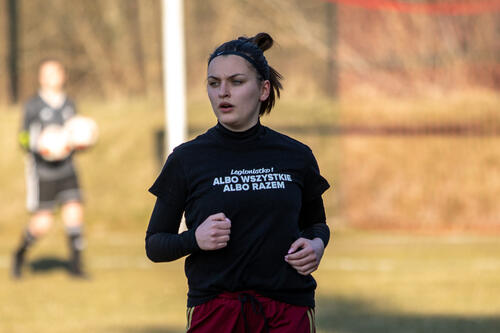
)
(174, 73)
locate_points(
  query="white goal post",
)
(174, 73)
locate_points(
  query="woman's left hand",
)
(304, 255)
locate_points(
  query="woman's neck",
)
(247, 133)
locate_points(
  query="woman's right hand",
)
(213, 233)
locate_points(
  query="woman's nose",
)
(224, 90)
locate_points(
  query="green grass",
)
(368, 282)
(406, 283)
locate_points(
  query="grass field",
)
(368, 282)
(381, 281)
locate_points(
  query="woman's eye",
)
(237, 82)
(213, 84)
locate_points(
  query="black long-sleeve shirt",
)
(270, 188)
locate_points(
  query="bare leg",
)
(40, 223)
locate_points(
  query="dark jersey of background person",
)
(37, 116)
(267, 184)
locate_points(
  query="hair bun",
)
(263, 40)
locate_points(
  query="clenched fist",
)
(213, 233)
(305, 255)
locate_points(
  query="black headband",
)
(263, 69)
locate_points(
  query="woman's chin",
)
(228, 121)
(234, 122)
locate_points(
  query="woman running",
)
(256, 225)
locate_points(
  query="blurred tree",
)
(13, 49)
(132, 23)
(332, 82)
(112, 48)
(3, 57)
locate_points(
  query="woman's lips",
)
(226, 107)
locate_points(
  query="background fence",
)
(399, 98)
(112, 48)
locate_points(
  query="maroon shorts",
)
(249, 312)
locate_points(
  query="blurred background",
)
(398, 99)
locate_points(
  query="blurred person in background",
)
(252, 203)
(50, 183)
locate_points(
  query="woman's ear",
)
(265, 90)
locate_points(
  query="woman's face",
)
(235, 92)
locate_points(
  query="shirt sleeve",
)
(26, 136)
(312, 221)
(171, 184)
(314, 184)
(163, 243)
